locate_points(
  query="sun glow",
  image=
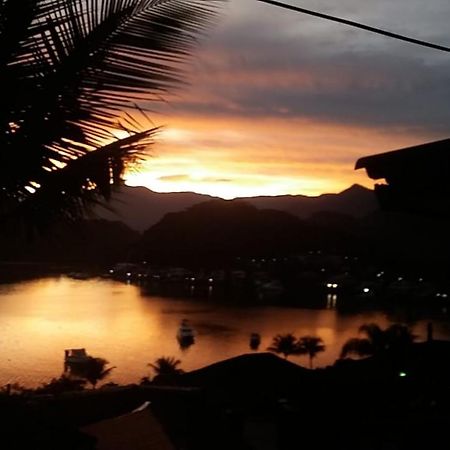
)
(120, 134)
(242, 186)
(236, 157)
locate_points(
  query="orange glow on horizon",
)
(238, 157)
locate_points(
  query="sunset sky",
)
(283, 103)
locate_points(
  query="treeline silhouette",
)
(396, 341)
(394, 397)
(87, 241)
(215, 233)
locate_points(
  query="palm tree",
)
(310, 345)
(394, 339)
(74, 77)
(166, 366)
(166, 370)
(373, 343)
(286, 344)
(94, 370)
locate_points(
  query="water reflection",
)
(331, 301)
(185, 343)
(39, 319)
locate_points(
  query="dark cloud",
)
(271, 63)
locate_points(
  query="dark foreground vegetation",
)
(213, 234)
(396, 398)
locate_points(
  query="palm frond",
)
(101, 60)
(359, 347)
(69, 192)
(105, 373)
(286, 344)
(166, 366)
(70, 72)
(395, 338)
(311, 344)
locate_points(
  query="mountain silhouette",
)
(356, 201)
(217, 231)
(141, 208)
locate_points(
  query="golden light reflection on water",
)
(39, 319)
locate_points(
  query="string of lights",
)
(357, 25)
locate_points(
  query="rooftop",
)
(417, 178)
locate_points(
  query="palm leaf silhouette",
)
(285, 344)
(310, 345)
(166, 366)
(395, 338)
(71, 74)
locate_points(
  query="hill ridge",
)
(140, 207)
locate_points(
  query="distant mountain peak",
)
(356, 188)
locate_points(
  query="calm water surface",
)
(39, 319)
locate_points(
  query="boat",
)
(185, 335)
(75, 356)
(185, 331)
(255, 341)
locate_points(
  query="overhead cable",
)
(357, 25)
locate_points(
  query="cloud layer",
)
(284, 95)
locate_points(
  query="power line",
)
(357, 25)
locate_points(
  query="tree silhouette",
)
(73, 78)
(285, 344)
(93, 370)
(60, 385)
(373, 343)
(394, 339)
(310, 345)
(166, 366)
(13, 389)
(166, 369)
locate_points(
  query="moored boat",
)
(185, 335)
(75, 356)
(185, 331)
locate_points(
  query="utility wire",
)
(357, 25)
